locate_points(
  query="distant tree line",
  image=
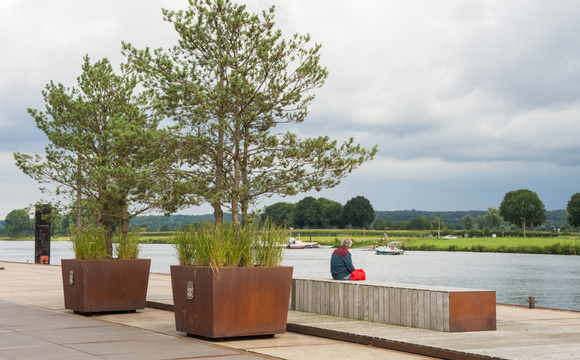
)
(521, 209)
(321, 213)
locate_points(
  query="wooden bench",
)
(425, 307)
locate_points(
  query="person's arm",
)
(348, 263)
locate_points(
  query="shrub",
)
(89, 243)
(225, 245)
(130, 248)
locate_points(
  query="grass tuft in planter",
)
(226, 246)
(89, 243)
(130, 247)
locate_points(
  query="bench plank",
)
(425, 307)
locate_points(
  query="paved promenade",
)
(34, 324)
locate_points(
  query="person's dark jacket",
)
(341, 263)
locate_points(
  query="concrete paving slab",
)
(41, 286)
(521, 333)
(61, 335)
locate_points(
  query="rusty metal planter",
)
(231, 302)
(92, 286)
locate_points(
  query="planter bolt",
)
(71, 277)
(190, 290)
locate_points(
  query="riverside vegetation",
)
(533, 243)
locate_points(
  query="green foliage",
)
(228, 84)
(521, 207)
(358, 212)
(332, 212)
(129, 248)
(573, 210)
(520, 245)
(490, 220)
(103, 146)
(226, 245)
(281, 213)
(184, 246)
(18, 224)
(268, 250)
(212, 245)
(436, 224)
(468, 222)
(89, 243)
(174, 222)
(419, 224)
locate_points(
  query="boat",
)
(292, 243)
(391, 248)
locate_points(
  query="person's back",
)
(341, 262)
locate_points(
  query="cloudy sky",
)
(466, 100)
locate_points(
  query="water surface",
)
(554, 280)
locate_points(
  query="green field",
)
(564, 245)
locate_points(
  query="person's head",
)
(347, 242)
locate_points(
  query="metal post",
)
(532, 302)
(42, 235)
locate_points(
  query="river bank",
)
(533, 244)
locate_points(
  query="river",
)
(554, 280)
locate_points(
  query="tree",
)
(383, 225)
(331, 213)
(104, 147)
(358, 212)
(522, 207)
(229, 83)
(18, 224)
(308, 213)
(280, 213)
(468, 222)
(573, 210)
(421, 223)
(437, 224)
(491, 220)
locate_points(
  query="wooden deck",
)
(521, 334)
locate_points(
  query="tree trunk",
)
(79, 208)
(244, 198)
(237, 175)
(124, 225)
(217, 210)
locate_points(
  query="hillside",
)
(555, 218)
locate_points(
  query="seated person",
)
(340, 262)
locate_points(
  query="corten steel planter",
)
(231, 302)
(92, 286)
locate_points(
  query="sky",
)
(466, 100)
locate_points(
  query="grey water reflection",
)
(554, 280)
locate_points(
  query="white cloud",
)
(446, 89)
(17, 191)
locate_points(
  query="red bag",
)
(358, 274)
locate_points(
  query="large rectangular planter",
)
(231, 302)
(92, 286)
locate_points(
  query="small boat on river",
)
(391, 248)
(298, 244)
